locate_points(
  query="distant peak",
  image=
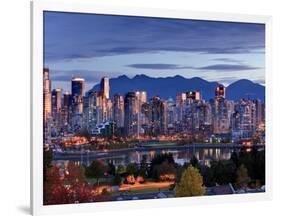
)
(123, 77)
(243, 81)
(179, 77)
(141, 76)
(197, 78)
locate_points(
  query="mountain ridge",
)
(167, 87)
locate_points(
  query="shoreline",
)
(68, 155)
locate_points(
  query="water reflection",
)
(205, 156)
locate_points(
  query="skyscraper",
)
(57, 108)
(259, 112)
(180, 106)
(194, 95)
(243, 120)
(92, 110)
(56, 101)
(78, 86)
(104, 87)
(66, 110)
(220, 92)
(221, 112)
(130, 119)
(47, 97)
(47, 104)
(118, 110)
(142, 96)
(157, 116)
(78, 92)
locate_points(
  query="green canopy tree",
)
(194, 161)
(96, 170)
(191, 183)
(132, 169)
(243, 178)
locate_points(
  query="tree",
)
(47, 159)
(165, 172)
(66, 185)
(96, 170)
(158, 160)
(191, 183)
(111, 169)
(120, 169)
(208, 176)
(242, 177)
(117, 180)
(132, 169)
(143, 172)
(194, 161)
(234, 157)
(223, 171)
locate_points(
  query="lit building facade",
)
(104, 87)
(118, 110)
(47, 104)
(130, 117)
(244, 120)
(47, 96)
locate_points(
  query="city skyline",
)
(135, 114)
(151, 108)
(151, 46)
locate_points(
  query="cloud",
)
(228, 60)
(158, 66)
(88, 75)
(73, 35)
(227, 67)
(215, 67)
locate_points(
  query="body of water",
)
(181, 156)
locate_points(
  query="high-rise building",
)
(157, 117)
(47, 97)
(56, 101)
(67, 100)
(47, 105)
(66, 111)
(222, 110)
(171, 115)
(141, 118)
(104, 87)
(259, 112)
(130, 117)
(243, 120)
(180, 107)
(180, 99)
(106, 102)
(118, 110)
(220, 92)
(142, 96)
(194, 95)
(57, 110)
(77, 92)
(77, 86)
(92, 110)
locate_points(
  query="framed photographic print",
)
(138, 107)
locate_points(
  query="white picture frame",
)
(37, 9)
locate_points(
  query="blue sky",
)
(93, 46)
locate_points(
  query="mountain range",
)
(169, 86)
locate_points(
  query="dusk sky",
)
(92, 46)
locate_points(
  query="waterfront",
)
(205, 153)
